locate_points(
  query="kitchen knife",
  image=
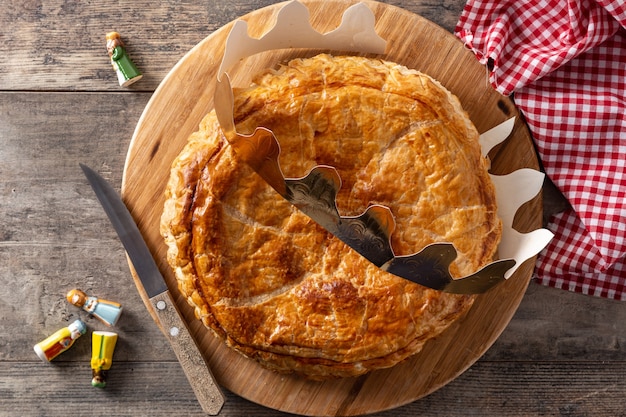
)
(207, 392)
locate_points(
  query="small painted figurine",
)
(127, 72)
(102, 347)
(106, 311)
(60, 341)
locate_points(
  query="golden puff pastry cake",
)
(277, 287)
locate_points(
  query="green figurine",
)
(127, 72)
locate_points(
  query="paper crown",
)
(315, 193)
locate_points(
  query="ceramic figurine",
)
(127, 72)
(106, 311)
(102, 347)
(60, 341)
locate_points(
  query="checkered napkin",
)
(564, 62)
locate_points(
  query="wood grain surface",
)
(562, 354)
(185, 96)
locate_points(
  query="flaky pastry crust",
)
(275, 285)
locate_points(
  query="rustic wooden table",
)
(60, 104)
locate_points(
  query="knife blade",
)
(196, 369)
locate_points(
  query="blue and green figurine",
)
(127, 72)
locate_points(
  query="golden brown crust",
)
(279, 288)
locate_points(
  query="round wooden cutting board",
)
(183, 99)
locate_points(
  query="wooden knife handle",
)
(196, 369)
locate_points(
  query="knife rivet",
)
(174, 331)
(161, 305)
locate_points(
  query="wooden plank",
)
(555, 325)
(60, 45)
(525, 389)
(52, 224)
(160, 389)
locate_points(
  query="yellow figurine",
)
(106, 311)
(102, 345)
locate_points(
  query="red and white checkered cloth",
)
(564, 61)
